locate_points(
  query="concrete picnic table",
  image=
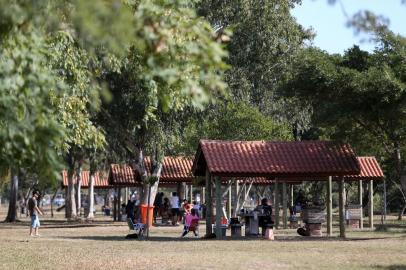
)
(251, 222)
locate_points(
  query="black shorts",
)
(175, 211)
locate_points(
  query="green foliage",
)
(363, 91)
(75, 104)
(29, 132)
(178, 59)
(359, 98)
(173, 65)
(264, 43)
(103, 24)
(231, 121)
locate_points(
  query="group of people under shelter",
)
(172, 211)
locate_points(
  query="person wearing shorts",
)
(175, 208)
(34, 212)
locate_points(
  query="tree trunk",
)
(180, 190)
(90, 204)
(79, 187)
(70, 203)
(12, 207)
(52, 202)
(153, 188)
(401, 212)
(400, 175)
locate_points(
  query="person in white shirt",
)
(175, 208)
(197, 207)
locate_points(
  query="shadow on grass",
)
(60, 224)
(186, 239)
(391, 267)
(155, 238)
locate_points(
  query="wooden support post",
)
(329, 206)
(236, 198)
(291, 202)
(371, 204)
(191, 193)
(208, 203)
(361, 221)
(219, 208)
(229, 202)
(341, 196)
(119, 205)
(273, 195)
(115, 205)
(203, 196)
(276, 204)
(284, 206)
(384, 199)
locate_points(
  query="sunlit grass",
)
(101, 245)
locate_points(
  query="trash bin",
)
(223, 229)
(144, 214)
(107, 211)
(236, 230)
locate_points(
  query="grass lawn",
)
(101, 245)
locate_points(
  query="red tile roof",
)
(263, 181)
(100, 179)
(123, 175)
(174, 169)
(370, 170)
(274, 159)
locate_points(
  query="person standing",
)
(266, 218)
(158, 205)
(34, 211)
(175, 208)
(130, 209)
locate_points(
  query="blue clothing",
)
(35, 221)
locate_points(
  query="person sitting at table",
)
(298, 204)
(266, 215)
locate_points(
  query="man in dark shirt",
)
(130, 209)
(34, 211)
(266, 219)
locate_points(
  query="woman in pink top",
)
(191, 223)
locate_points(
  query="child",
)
(190, 219)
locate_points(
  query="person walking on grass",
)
(34, 211)
(191, 223)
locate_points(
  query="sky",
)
(329, 21)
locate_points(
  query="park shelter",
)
(370, 172)
(175, 171)
(100, 180)
(321, 159)
(121, 176)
